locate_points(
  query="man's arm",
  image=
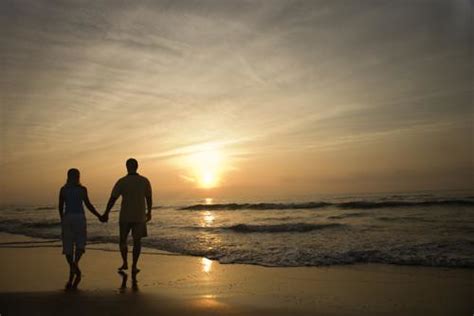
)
(149, 202)
(61, 204)
(110, 204)
(116, 192)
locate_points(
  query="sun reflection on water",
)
(207, 219)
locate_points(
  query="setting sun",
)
(205, 167)
(208, 179)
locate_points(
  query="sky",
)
(236, 99)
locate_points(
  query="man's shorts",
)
(138, 229)
(74, 233)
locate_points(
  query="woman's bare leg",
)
(70, 261)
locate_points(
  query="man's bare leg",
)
(137, 248)
(124, 253)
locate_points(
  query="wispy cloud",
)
(85, 80)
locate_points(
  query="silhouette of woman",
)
(72, 196)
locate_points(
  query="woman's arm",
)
(61, 204)
(89, 204)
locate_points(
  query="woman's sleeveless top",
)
(73, 196)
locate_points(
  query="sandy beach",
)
(33, 273)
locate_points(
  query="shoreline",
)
(180, 284)
(107, 246)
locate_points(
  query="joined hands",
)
(104, 218)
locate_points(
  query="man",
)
(135, 190)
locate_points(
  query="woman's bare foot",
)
(76, 282)
(71, 277)
(78, 273)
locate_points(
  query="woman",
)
(73, 221)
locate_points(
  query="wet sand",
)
(33, 274)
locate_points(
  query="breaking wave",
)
(281, 228)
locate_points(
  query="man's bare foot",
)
(135, 271)
(135, 285)
(123, 267)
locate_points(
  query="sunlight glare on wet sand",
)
(206, 265)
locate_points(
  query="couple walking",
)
(134, 189)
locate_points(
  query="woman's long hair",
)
(73, 177)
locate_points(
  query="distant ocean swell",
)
(355, 204)
(316, 205)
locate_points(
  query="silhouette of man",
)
(135, 191)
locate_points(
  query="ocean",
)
(425, 229)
